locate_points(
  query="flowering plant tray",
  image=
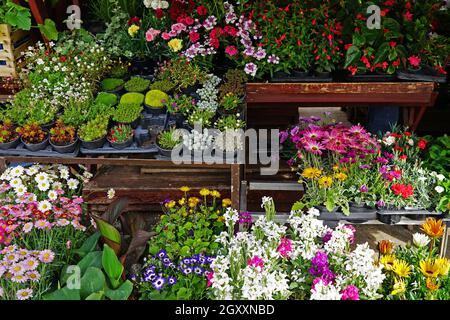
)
(20, 150)
(370, 78)
(296, 79)
(426, 74)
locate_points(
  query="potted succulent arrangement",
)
(128, 114)
(121, 136)
(178, 106)
(112, 85)
(137, 84)
(9, 138)
(132, 98)
(201, 117)
(230, 104)
(155, 101)
(163, 85)
(93, 134)
(166, 141)
(63, 139)
(105, 98)
(33, 136)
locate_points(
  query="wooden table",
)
(267, 99)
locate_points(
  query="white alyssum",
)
(209, 94)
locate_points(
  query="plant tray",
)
(427, 74)
(136, 148)
(371, 78)
(354, 217)
(20, 150)
(294, 79)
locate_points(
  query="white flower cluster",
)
(196, 141)
(272, 230)
(231, 216)
(156, 4)
(209, 94)
(323, 291)
(339, 240)
(420, 240)
(259, 285)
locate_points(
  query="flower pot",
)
(95, 144)
(10, 145)
(415, 70)
(164, 152)
(179, 118)
(143, 66)
(155, 111)
(115, 91)
(133, 124)
(121, 145)
(391, 219)
(322, 74)
(36, 146)
(48, 126)
(300, 74)
(223, 113)
(65, 148)
(360, 213)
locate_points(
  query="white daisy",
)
(44, 206)
(17, 171)
(27, 227)
(52, 195)
(20, 190)
(43, 186)
(41, 177)
(73, 184)
(24, 294)
(16, 182)
(111, 193)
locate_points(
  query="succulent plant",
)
(127, 113)
(61, 134)
(7, 132)
(132, 98)
(156, 98)
(94, 129)
(163, 85)
(32, 133)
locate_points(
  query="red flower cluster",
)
(422, 144)
(405, 191)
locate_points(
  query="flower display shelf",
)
(394, 216)
(295, 79)
(20, 150)
(269, 103)
(371, 78)
(356, 217)
(427, 73)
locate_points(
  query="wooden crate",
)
(12, 45)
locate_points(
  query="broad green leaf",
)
(20, 19)
(121, 293)
(353, 56)
(107, 230)
(92, 259)
(382, 53)
(112, 266)
(92, 281)
(89, 245)
(48, 29)
(96, 296)
(63, 294)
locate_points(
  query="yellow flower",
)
(185, 189)
(226, 202)
(387, 261)
(311, 173)
(429, 268)
(175, 45)
(385, 246)
(399, 287)
(133, 30)
(170, 204)
(182, 201)
(443, 266)
(193, 201)
(325, 182)
(401, 268)
(336, 167)
(215, 194)
(205, 192)
(341, 176)
(432, 285)
(221, 219)
(433, 228)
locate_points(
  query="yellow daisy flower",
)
(311, 173)
(443, 266)
(429, 268)
(215, 194)
(205, 192)
(401, 268)
(182, 201)
(325, 182)
(433, 228)
(226, 202)
(388, 261)
(341, 176)
(399, 287)
(185, 189)
(170, 204)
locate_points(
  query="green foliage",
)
(15, 15)
(132, 98)
(230, 122)
(437, 158)
(203, 117)
(182, 72)
(137, 84)
(163, 85)
(105, 98)
(230, 102)
(156, 98)
(127, 113)
(233, 82)
(119, 69)
(94, 129)
(167, 139)
(180, 104)
(111, 84)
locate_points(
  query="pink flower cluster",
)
(285, 247)
(256, 262)
(350, 293)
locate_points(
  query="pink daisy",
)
(46, 256)
(314, 147)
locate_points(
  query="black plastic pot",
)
(115, 91)
(67, 148)
(155, 111)
(164, 152)
(90, 145)
(360, 213)
(36, 146)
(223, 113)
(300, 74)
(10, 145)
(121, 145)
(179, 119)
(48, 126)
(189, 91)
(322, 75)
(143, 66)
(384, 215)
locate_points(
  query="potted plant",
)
(155, 101)
(185, 75)
(63, 138)
(129, 114)
(231, 122)
(9, 138)
(229, 143)
(178, 106)
(105, 98)
(112, 85)
(119, 70)
(229, 104)
(163, 85)
(414, 64)
(33, 137)
(166, 141)
(121, 136)
(201, 117)
(132, 98)
(234, 82)
(93, 133)
(137, 84)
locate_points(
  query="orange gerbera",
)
(432, 285)
(433, 228)
(385, 246)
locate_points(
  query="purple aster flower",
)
(158, 284)
(273, 59)
(172, 280)
(363, 189)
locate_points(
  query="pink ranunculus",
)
(231, 51)
(151, 34)
(166, 36)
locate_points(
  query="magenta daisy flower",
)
(314, 147)
(357, 129)
(313, 134)
(24, 294)
(46, 256)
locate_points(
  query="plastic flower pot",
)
(64, 148)
(155, 111)
(415, 70)
(48, 126)
(321, 74)
(164, 152)
(360, 213)
(95, 144)
(10, 145)
(384, 215)
(121, 145)
(178, 118)
(117, 90)
(133, 124)
(300, 75)
(36, 146)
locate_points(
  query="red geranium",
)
(202, 11)
(134, 20)
(422, 144)
(405, 191)
(194, 36)
(214, 43)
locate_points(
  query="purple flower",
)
(198, 271)
(283, 136)
(251, 69)
(172, 280)
(273, 59)
(291, 162)
(327, 236)
(162, 254)
(350, 293)
(260, 54)
(380, 204)
(245, 218)
(382, 160)
(158, 284)
(319, 264)
(363, 189)
(365, 166)
(187, 271)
